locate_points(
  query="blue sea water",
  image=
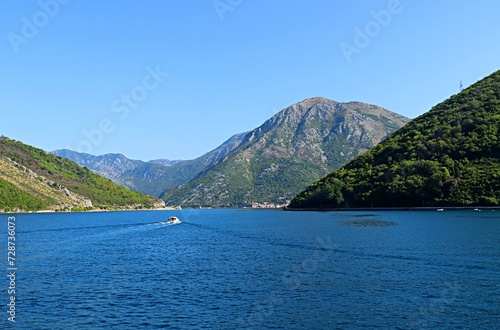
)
(256, 269)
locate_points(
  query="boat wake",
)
(164, 223)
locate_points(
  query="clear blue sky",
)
(70, 66)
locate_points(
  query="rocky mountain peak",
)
(296, 146)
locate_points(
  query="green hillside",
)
(449, 156)
(32, 179)
(11, 196)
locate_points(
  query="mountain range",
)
(449, 156)
(271, 163)
(152, 177)
(295, 147)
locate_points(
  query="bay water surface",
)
(262, 269)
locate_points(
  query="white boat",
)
(440, 210)
(173, 220)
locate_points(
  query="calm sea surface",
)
(262, 269)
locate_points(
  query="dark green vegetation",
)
(449, 156)
(35, 177)
(295, 147)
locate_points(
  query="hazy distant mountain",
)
(447, 156)
(151, 177)
(165, 162)
(110, 166)
(294, 148)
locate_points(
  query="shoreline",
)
(426, 208)
(355, 209)
(92, 211)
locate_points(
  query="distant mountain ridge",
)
(110, 166)
(152, 177)
(449, 156)
(295, 147)
(165, 162)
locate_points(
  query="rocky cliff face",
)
(290, 150)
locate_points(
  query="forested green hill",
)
(32, 179)
(449, 156)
